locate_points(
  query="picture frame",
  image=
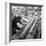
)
(8, 32)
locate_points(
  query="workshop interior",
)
(25, 21)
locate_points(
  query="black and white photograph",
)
(25, 21)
